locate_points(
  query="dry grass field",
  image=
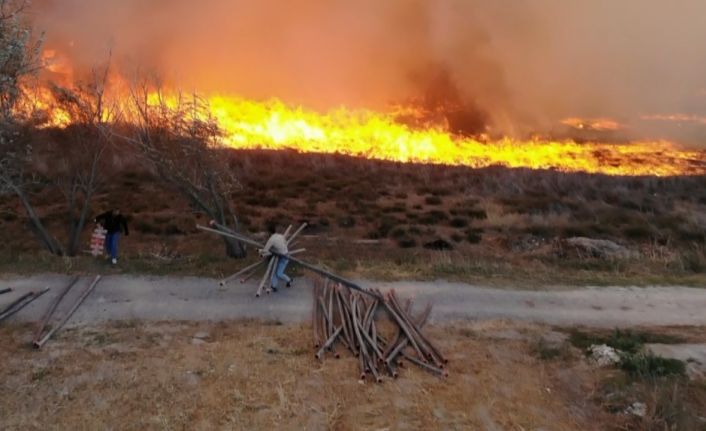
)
(256, 375)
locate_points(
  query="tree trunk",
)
(234, 248)
(51, 244)
(77, 228)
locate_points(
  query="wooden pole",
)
(265, 277)
(241, 272)
(21, 303)
(232, 235)
(296, 234)
(52, 308)
(84, 295)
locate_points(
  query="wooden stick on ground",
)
(39, 343)
(21, 303)
(52, 308)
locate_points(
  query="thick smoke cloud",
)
(526, 64)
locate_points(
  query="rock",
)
(201, 335)
(637, 409)
(600, 248)
(604, 355)
(197, 341)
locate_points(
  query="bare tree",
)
(76, 168)
(19, 60)
(83, 167)
(180, 140)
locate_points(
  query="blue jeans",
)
(111, 244)
(279, 271)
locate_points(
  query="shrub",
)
(398, 233)
(623, 340)
(433, 217)
(458, 222)
(414, 230)
(346, 221)
(474, 236)
(144, 226)
(432, 200)
(8, 216)
(439, 244)
(173, 229)
(640, 232)
(647, 365)
(540, 231)
(406, 242)
(477, 214)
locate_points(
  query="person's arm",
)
(123, 222)
(268, 245)
(100, 218)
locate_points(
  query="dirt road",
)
(128, 297)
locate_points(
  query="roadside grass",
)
(365, 261)
(626, 340)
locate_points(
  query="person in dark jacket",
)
(114, 223)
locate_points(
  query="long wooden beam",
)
(233, 235)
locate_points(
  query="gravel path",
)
(130, 297)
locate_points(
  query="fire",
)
(273, 125)
(249, 124)
(596, 124)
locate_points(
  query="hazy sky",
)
(526, 63)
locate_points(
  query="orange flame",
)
(274, 125)
(248, 124)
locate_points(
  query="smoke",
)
(523, 65)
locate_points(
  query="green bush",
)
(647, 365)
(623, 340)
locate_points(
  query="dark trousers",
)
(111, 244)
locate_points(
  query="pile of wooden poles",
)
(348, 319)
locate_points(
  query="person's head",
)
(116, 211)
(271, 228)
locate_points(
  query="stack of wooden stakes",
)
(349, 318)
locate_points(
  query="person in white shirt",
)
(277, 243)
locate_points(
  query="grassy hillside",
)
(384, 219)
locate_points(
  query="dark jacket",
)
(113, 223)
